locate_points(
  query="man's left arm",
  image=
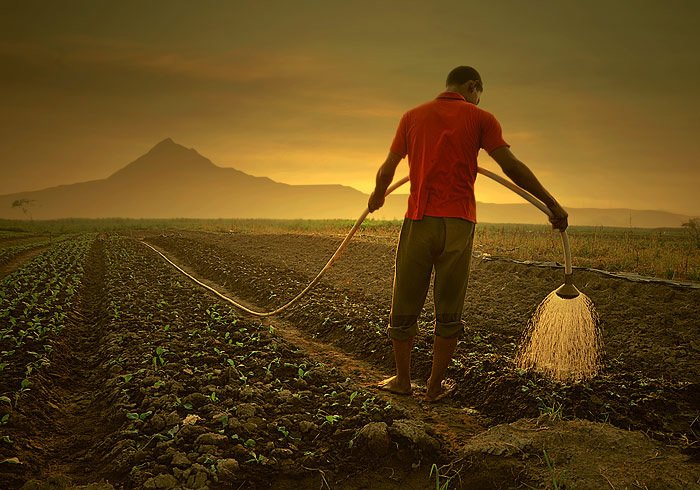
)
(523, 177)
(384, 177)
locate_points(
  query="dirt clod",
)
(211, 439)
(180, 459)
(375, 437)
(161, 482)
(415, 432)
(227, 468)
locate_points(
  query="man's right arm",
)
(385, 175)
(523, 177)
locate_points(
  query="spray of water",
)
(563, 339)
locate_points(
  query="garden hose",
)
(568, 290)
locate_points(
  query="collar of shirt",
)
(451, 95)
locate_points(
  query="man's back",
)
(442, 139)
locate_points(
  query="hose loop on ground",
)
(341, 248)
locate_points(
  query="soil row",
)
(154, 383)
(649, 381)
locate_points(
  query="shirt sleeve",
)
(491, 133)
(400, 143)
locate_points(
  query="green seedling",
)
(172, 431)
(554, 412)
(158, 384)
(550, 465)
(178, 402)
(268, 369)
(249, 443)
(332, 419)
(213, 397)
(5, 419)
(24, 385)
(251, 353)
(257, 458)
(283, 430)
(139, 416)
(353, 395)
(366, 405)
(440, 484)
(126, 377)
(6, 439)
(158, 359)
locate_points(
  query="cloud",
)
(241, 65)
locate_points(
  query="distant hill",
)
(171, 181)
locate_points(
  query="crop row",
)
(8, 253)
(212, 397)
(34, 302)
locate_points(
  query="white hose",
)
(351, 233)
(338, 252)
(539, 205)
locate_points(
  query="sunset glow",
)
(598, 99)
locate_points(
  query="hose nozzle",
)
(568, 290)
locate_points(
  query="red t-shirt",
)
(442, 139)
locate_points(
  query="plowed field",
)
(122, 373)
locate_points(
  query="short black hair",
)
(462, 74)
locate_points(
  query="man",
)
(442, 139)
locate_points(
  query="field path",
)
(453, 423)
(70, 419)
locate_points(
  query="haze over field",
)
(171, 181)
(598, 98)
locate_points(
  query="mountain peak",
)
(166, 142)
(166, 156)
(168, 145)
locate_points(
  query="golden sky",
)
(599, 98)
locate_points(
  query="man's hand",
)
(523, 177)
(375, 202)
(384, 177)
(560, 220)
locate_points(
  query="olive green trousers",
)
(443, 244)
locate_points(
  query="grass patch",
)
(669, 253)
